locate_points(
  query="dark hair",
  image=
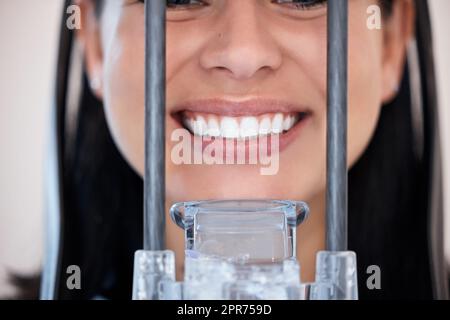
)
(99, 7)
(395, 189)
(395, 204)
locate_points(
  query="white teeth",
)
(243, 127)
(249, 127)
(229, 128)
(265, 127)
(189, 124)
(287, 123)
(200, 126)
(213, 127)
(277, 123)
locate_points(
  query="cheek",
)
(124, 92)
(365, 65)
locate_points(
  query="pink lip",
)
(251, 107)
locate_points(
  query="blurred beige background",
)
(29, 37)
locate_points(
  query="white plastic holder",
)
(336, 276)
(151, 268)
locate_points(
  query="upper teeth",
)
(240, 127)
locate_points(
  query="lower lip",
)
(285, 139)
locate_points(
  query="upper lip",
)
(230, 108)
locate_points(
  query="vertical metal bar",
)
(336, 233)
(155, 96)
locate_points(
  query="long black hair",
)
(395, 196)
(395, 189)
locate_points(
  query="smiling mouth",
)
(239, 120)
(245, 127)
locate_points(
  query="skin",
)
(238, 50)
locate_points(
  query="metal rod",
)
(155, 96)
(336, 198)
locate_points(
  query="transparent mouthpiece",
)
(251, 231)
(241, 249)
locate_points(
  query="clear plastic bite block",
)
(151, 268)
(336, 276)
(242, 250)
(247, 231)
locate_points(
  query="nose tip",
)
(241, 63)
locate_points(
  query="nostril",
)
(223, 70)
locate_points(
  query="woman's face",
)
(244, 68)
